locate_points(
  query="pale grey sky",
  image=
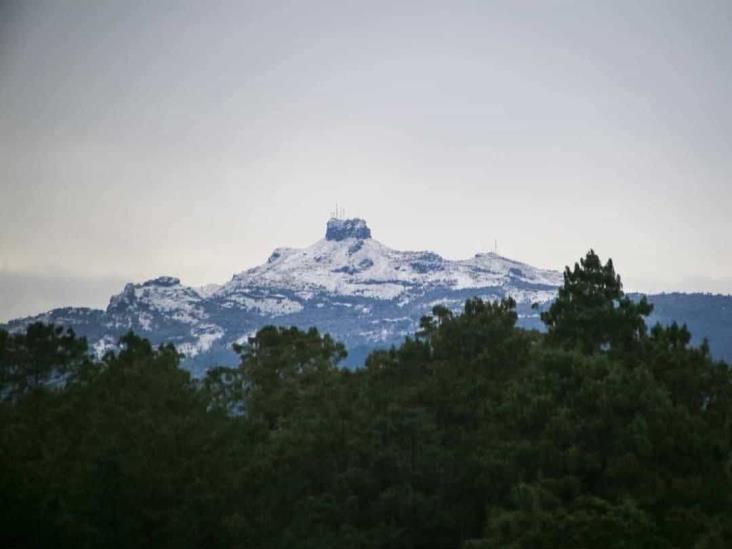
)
(190, 138)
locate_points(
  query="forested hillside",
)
(473, 433)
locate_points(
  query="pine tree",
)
(42, 356)
(592, 312)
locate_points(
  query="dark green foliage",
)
(591, 311)
(706, 315)
(107, 461)
(473, 433)
(41, 355)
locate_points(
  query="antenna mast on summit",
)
(339, 212)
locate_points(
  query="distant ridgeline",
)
(362, 292)
(472, 434)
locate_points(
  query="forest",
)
(601, 432)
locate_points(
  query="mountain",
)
(348, 284)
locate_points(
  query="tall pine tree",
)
(592, 312)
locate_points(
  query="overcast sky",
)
(147, 138)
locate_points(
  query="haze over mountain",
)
(348, 284)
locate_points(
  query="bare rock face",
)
(341, 229)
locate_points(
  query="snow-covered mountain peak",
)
(348, 262)
(515, 270)
(362, 292)
(341, 229)
(164, 294)
(346, 283)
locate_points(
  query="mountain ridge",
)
(348, 284)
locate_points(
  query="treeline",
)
(473, 433)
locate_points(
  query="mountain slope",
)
(348, 262)
(347, 284)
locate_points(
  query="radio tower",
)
(339, 213)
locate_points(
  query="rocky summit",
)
(341, 229)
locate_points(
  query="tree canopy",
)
(472, 433)
(591, 311)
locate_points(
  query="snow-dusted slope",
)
(351, 264)
(164, 306)
(362, 292)
(163, 297)
(349, 284)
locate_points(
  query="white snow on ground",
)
(145, 320)
(366, 267)
(206, 335)
(101, 346)
(208, 290)
(182, 302)
(531, 296)
(322, 280)
(243, 339)
(266, 305)
(164, 295)
(353, 267)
